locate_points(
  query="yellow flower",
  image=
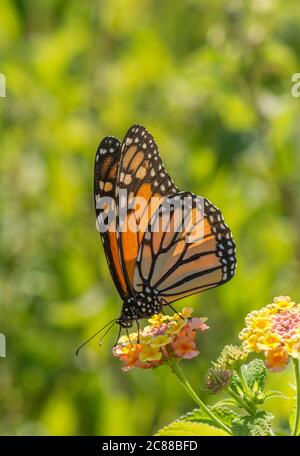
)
(150, 353)
(146, 339)
(269, 341)
(186, 312)
(120, 350)
(157, 319)
(125, 339)
(159, 341)
(250, 339)
(175, 326)
(271, 309)
(283, 302)
(295, 351)
(261, 323)
(293, 346)
(251, 342)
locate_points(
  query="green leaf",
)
(225, 414)
(258, 425)
(274, 394)
(236, 383)
(196, 415)
(227, 402)
(255, 374)
(188, 428)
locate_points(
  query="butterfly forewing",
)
(105, 178)
(144, 182)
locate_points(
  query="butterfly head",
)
(143, 305)
(126, 319)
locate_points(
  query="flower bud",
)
(217, 379)
(231, 357)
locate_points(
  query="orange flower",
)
(130, 355)
(166, 337)
(277, 359)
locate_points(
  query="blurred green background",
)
(212, 82)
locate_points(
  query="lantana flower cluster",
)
(165, 337)
(275, 331)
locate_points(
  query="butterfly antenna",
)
(96, 334)
(106, 332)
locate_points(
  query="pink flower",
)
(198, 323)
(275, 331)
(185, 347)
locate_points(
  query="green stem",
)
(297, 415)
(240, 401)
(181, 377)
(245, 387)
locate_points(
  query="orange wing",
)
(141, 185)
(187, 249)
(105, 176)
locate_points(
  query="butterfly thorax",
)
(141, 305)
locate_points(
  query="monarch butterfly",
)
(152, 268)
(155, 264)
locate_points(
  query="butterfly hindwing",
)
(187, 249)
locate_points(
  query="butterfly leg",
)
(119, 334)
(127, 332)
(138, 330)
(174, 310)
